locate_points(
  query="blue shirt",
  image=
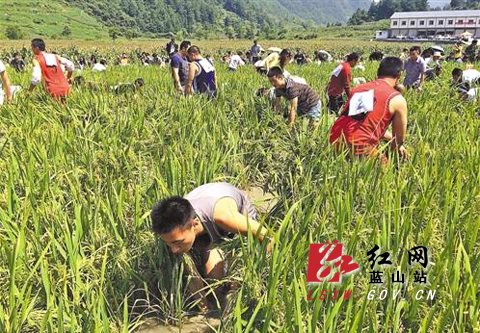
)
(413, 71)
(181, 63)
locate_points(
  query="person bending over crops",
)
(124, 88)
(198, 223)
(47, 68)
(202, 77)
(5, 85)
(235, 62)
(471, 51)
(340, 83)
(463, 82)
(303, 100)
(370, 110)
(18, 63)
(79, 82)
(100, 66)
(376, 56)
(179, 67)
(274, 59)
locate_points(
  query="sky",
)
(435, 3)
(438, 3)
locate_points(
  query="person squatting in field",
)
(340, 83)
(5, 85)
(197, 224)
(464, 83)
(79, 82)
(47, 68)
(202, 77)
(303, 100)
(369, 111)
(6, 88)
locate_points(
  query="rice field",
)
(77, 185)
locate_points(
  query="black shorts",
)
(335, 103)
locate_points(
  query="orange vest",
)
(53, 78)
(364, 133)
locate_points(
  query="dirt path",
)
(197, 324)
(263, 201)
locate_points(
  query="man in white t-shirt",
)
(236, 61)
(433, 61)
(4, 84)
(100, 66)
(471, 76)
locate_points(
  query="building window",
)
(412, 22)
(395, 23)
(404, 22)
(460, 22)
(440, 22)
(471, 22)
(422, 22)
(450, 21)
(431, 22)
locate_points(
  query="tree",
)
(230, 32)
(359, 17)
(457, 4)
(114, 33)
(130, 34)
(473, 4)
(13, 32)
(66, 31)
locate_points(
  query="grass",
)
(46, 19)
(77, 184)
(109, 49)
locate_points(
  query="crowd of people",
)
(364, 112)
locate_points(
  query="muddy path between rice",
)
(198, 324)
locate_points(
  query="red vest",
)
(363, 135)
(337, 84)
(53, 78)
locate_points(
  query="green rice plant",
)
(77, 184)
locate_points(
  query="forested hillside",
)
(318, 11)
(234, 17)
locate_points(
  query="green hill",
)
(318, 11)
(241, 17)
(154, 18)
(47, 19)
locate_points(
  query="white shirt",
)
(470, 75)
(37, 71)
(235, 61)
(431, 63)
(472, 94)
(98, 67)
(2, 69)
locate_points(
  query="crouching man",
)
(303, 100)
(369, 111)
(197, 224)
